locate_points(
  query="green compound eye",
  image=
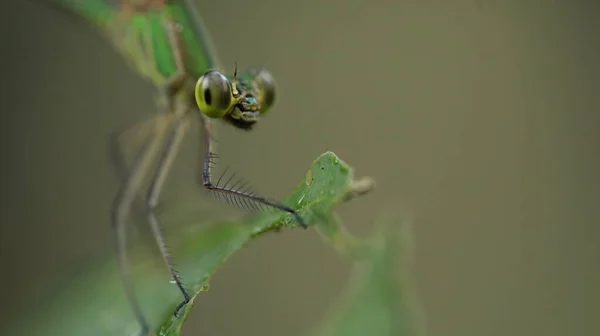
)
(266, 88)
(213, 94)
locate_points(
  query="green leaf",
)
(92, 301)
(379, 300)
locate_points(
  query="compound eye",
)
(213, 94)
(267, 88)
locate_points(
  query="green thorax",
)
(160, 38)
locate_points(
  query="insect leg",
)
(210, 156)
(117, 161)
(167, 157)
(122, 206)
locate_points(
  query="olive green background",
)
(481, 118)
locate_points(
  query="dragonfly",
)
(166, 42)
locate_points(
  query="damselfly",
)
(167, 43)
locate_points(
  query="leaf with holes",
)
(92, 301)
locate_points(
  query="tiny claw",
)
(300, 220)
(185, 301)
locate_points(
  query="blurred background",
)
(479, 117)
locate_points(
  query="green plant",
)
(92, 302)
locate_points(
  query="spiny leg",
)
(233, 194)
(156, 184)
(167, 102)
(122, 206)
